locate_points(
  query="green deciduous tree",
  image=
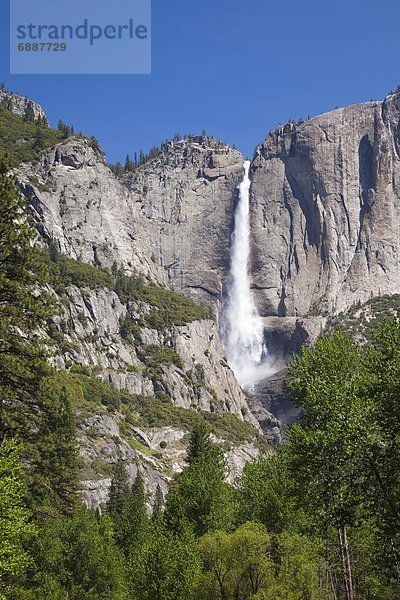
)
(265, 494)
(382, 444)
(298, 569)
(77, 558)
(326, 449)
(15, 528)
(171, 565)
(238, 564)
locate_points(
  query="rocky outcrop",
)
(101, 445)
(324, 234)
(87, 336)
(170, 220)
(284, 336)
(87, 332)
(156, 453)
(77, 201)
(188, 196)
(274, 396)
(326, 211)
(23, 107)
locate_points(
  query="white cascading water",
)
(241, 326)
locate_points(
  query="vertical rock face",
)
(171, 221)
(188, 196)
(78, 202)
(324, 201)
(326, 211)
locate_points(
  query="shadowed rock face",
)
(273, 394)
(325, 211)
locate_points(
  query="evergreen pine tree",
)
(54, 251)
(158, 503)
(119, 171)
(53, 471)
(128, 164)
(200, 494)
(134, 525)
(65, 130)
(23, 309)
(38, 142)
(119, 491)
(76, 558)
(29, 116)
(199, 443)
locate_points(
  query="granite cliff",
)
(324, 210)
(158, 376)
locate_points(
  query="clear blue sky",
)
(234, 68)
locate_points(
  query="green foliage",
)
(23, 308)
(237, 564)
(363, 321)
(326, 380)
(250, 563)
(171, 566)
(298, 569)
(201, 495)
(343, 458)
(15, 528)
(64, 129)
(76, 558)
(133, 526)
(128, 329)
(158, 502)
(119, 491)
(155, 356)
(159, 411)
(64, 272)
(52, 452)
(21, 140)
(265, 494)
(168, 308)
(200, 444)
(228, 426)
(90, 393)
(381, 443)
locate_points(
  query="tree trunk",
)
(332, 583)
(346, 563)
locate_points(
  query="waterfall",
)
(241, 326)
